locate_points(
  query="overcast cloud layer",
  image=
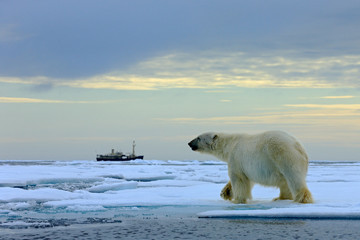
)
(72, 39)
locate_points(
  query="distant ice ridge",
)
(112, 190)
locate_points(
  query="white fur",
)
(271, 158)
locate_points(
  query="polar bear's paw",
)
(304, 196)
(239, 201)
(282, 198)
(226, 192)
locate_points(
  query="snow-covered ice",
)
(35, 192)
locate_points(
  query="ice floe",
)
(47, 189)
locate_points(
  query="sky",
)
(78, 78)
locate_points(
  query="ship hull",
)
(118, 158)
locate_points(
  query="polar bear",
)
(272, 158)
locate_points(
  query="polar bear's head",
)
(204, 143)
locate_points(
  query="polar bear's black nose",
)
(193, 145)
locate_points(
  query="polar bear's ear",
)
(214, 142)
(215, 137)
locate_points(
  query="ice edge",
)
(315, 216)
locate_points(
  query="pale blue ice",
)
(45, 193)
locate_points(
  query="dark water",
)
(193, 228)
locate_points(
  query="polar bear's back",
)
(284, 151)
(271, 143)
(279, 143)
(266, 156)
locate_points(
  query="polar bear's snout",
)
(194, 144)
(203, 143)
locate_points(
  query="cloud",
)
(35, 81)
(218, 70)
(313, 115)
(36, 100)
(131, 82)
(338, 97)
(327, 106)
(117, 34)
(27, 100)
(9, 33)
(268, 118)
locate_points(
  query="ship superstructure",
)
(119, 156)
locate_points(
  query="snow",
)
(46, 189)
(113, 187)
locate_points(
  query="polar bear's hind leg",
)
(295, 179)
(304, 196)
(292, 162)
(285, 193)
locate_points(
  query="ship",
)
(119, 156)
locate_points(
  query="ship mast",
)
(133, 152)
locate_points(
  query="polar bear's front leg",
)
(241, 188)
